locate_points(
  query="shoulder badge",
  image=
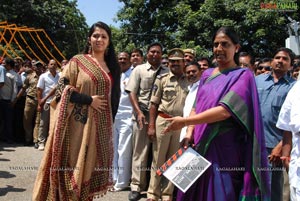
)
(162, 75)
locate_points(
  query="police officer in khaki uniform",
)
(168, 98)
(189, 55)
(139, 88)
(29, 87)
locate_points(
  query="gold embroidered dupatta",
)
(78, 155)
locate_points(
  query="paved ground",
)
(18, 169)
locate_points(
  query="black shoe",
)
(36, 145)
(134, 196)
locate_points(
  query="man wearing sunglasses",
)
(263, 67)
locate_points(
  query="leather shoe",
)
(134, 196)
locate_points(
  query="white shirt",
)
(289, 119)
(18, 79)
(2, 74)
(125, 107)
(47, 82)
(188, 105)
(23, 77)
(9, 90)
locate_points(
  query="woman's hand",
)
(176, 123)
(99, 103)
(189, 138)
(186, 142)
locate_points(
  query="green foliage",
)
(10, 52)
(184, 23)
(191, 23)
(61, 20)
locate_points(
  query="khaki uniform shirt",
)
(141, 80)
(169, 92)
(30, 84)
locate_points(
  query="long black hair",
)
(111, 62)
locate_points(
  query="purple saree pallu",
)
(235, 147)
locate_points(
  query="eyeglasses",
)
(267, 68)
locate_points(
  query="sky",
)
(99, 10)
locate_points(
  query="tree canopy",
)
(262, 25)
(61, 20)
(192, 23)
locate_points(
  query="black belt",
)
(31, 97)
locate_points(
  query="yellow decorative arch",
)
(12, 34)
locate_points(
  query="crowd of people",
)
(108, 121)
(25, 88)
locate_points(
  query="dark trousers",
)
(6, 113)
(276, 177)
(18, 129)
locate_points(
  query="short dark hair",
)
(136, 50)
(10, 62)
(27, 63)
(155, 44)
(247, 54)
(296, 65)
(287, 50)
(204, 58)
(193, 63)
(266, 59)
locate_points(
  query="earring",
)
(106, 51)
(90, 49)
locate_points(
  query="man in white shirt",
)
(47, 81)
(123, 127)
(193, 73)
(289, 121)
(8, 93)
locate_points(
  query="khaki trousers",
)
(28, 118)
(164, 147)
(36, 127)
(141, 148)
(286, 186)
(44, 124)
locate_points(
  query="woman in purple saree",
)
(227, 130)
